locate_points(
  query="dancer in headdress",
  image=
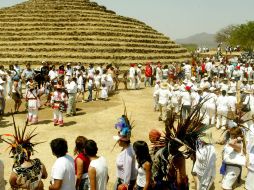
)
(125, 161)
(178, 143)
(27, 173)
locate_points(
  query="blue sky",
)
(179, 18)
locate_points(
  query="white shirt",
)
(101, 168)
(141, 178)
(132, 72)
(164, 95)
(187, 69)
(72, 87)
(186, 98)
(222, 103)
(63, 169)
(208, 66)
(52, 75)
(69, 72)
(205, 164)
(232, 103)
(125, 163)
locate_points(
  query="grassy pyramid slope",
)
(63, 31)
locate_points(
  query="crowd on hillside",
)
(190, 97)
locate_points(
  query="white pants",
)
(221, 118)
(138, 83)
(132, 82)
(230, 177)
(211, 114)
(249, 184)
(32, 115)
(201, 184)
(58, 117)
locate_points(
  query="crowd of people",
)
(191, 98)
(62, 87)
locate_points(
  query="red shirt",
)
(85, 160)
(148, 71)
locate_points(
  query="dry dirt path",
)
(96, 120)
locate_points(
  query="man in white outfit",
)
(231, 104)
(186, 101)
(132, 76)
(211, 106)
(164, 95)
(222, 109)
(138, 76)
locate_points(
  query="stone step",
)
(89, 50)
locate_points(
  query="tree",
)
(224, 34)
(243, 35)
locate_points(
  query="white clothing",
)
(208, 66)
(224, 86)
(187, 69)
(72, 87)
(69, 72)
(205, 164)
(230, 177)
(164, 95)
(232, 103)
(186, 98)
(132, 72)
(52, 75)
(91, 72)
(125, 163)
(141, 178)
(63, 169)
(222, 111)
(250, 176)
(97, 81)
(104, 92)
(101, 168)
(158, 75)
(80, 84)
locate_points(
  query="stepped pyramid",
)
(63, 31)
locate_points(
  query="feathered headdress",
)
(20, 143)
(124, 127)
(183, 132)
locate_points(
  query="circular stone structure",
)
(71, 31)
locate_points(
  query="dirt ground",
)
(96, 120)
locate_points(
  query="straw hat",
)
(247, 91)
(212, 89)
(164, 85)
(207, 138)
(230, 92)
(193, 78)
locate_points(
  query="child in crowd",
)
(104, 92)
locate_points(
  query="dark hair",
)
(224, 92)
(91, 148)
(80, 144)
(142, 152)
(59, 147)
